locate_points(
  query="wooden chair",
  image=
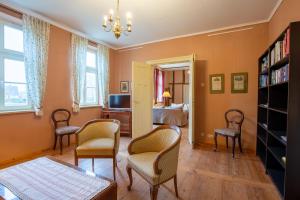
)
(234, 120)
(98, 138)
(61, 120)
(154, 157)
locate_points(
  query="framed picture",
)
(216, 82)
(124, 86)
(239, 82)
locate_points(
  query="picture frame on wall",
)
(217, 83)
(124, 86)
(239, 82)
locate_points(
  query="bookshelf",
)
(278, 112)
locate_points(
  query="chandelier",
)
(113, 23)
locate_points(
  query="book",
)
(280, 75)
(281, 48)
(263, 82)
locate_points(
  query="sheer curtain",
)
(159, 77)
(103, 73)
(79, 50)
(36, 42)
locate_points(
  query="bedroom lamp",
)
(166, 95)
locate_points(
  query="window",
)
(13, 84)
(91, 79)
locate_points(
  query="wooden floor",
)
(202, 175)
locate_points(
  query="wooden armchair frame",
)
(113, 156)
(157, 170)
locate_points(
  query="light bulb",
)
(111, 12)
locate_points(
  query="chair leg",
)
(175, 185)
(60, 144)
(216, 141)
(240, 144)
(227, 142)
(233, 146)
(153, 191)
(129, 172)
(68, 140)
(76, 158)
(114, 167)
(55, 139)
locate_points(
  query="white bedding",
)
(171, 116)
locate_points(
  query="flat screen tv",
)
(119, 101)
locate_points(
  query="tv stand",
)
(123, 115)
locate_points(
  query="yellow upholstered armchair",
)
(154, 156)
(98, 138)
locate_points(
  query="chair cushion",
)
(66, 130)
(143, 164)
(96, 147)
(227, 132)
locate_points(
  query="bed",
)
(48, 178)
(176, 114)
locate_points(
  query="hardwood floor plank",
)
(202, 175)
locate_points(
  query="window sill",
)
(89, 106)
(16, 112)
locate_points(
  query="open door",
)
(142, 99)
(183, 59)
(192, 103)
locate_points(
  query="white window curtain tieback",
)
(36, 43)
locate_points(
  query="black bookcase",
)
(278, 121)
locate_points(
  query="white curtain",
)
(103, 73)
(36, 42)
(79, 50)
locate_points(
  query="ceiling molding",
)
(198, 33)
(55, 23)
(275, 9)
(124, 48)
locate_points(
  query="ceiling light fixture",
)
(113, 22)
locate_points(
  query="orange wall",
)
(228, 53)
(23, 134)
(288, 11)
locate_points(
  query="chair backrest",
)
(61, 116)
(160, 138)
(100, 128)
(234, 119)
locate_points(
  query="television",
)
(119, 101)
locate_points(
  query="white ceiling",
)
(152, 19)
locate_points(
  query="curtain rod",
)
(9, 11)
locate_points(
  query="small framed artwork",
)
(124, 86)
(239, 82)
(216, 82)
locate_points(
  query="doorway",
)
(143, 93)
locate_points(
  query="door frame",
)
(189, 58)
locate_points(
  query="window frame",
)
(12, 55)
(93, 70)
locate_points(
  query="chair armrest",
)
(167, 161)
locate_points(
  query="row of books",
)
(264, 64)
(280, 75)
(281, 48)
(263, 81)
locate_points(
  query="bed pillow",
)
(176, 106)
